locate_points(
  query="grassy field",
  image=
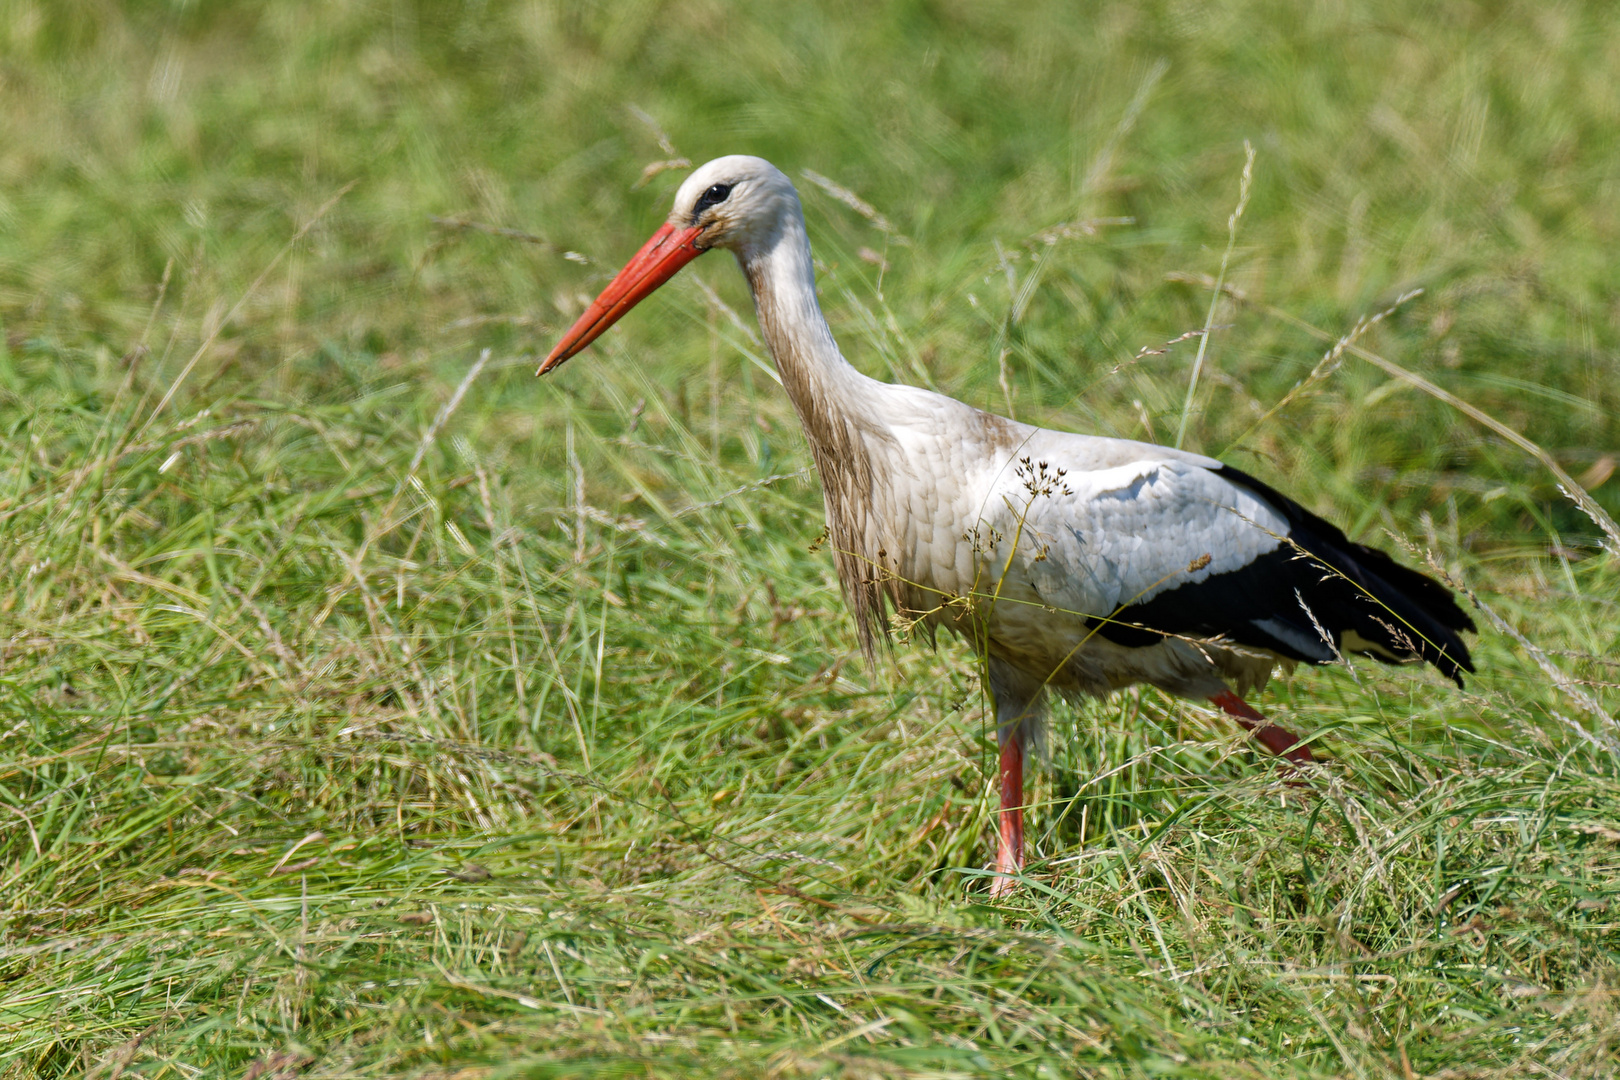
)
(370, 708)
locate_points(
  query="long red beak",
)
(658, 260)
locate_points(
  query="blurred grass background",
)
(370, 708)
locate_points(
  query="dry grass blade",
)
(1566, 484)
(216, 326)
(1220, 280)
(1570, 489)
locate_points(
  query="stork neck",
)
(817, 378)
(841, 410)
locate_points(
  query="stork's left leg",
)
(1018, 714)
(1010, 838)
(1278, 740)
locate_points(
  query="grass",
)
(369, 708)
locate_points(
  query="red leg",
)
(1279, 741)
(1010, 847)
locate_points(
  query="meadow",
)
(371, 708)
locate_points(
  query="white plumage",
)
(1075, 563)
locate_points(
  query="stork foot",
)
(1278, 740)
(1010, 844)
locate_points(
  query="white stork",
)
(1073, 563)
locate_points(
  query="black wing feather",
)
(1318, 583)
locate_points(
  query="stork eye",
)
(715, 195)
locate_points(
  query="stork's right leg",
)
(1279, 741)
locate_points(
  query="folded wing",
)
(1174, 544)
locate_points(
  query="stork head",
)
(737, 202)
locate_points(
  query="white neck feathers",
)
(841, 410)
(782, 276)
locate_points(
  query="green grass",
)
(346, 733)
